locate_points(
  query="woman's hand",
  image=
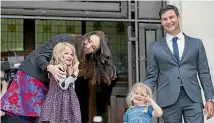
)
(55, 71)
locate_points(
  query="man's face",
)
(92, 44)
(170, 22)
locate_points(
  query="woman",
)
(26, 94)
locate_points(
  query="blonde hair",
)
(57, 59)
(140, 85)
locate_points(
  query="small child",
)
(4, 87)
(141, 106)
(61, 104)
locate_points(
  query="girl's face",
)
(68, 56)
(138, 97)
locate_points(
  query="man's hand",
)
(209, 109)
(55, 71)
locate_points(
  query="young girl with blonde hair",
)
(61, 104)
(141, 105)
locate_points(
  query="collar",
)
(169, 37)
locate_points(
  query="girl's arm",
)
(4, 83)
(4, 87)
(125, 117)
(158, 111)
(72, 72)
(74, 69)
(3, 91)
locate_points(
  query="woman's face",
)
(91, 44)
(68, 56)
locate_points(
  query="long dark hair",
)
(98, 66)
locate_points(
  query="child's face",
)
(138, 97)
(68, 56)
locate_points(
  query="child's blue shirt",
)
(136, 114)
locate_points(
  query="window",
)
(12, 34)
(45, 29)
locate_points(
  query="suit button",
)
(178, 77)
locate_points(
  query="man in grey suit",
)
(173, 64)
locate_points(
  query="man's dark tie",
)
(175, 48)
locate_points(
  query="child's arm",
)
(125, 117)
(4, 83)
(73, 69)
(73, 72)
(4, 87)
(158, 111)
(3, 91)
(76, 68)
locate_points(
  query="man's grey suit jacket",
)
(164, 71)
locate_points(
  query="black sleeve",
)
(45, 51)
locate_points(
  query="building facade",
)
(130, 26)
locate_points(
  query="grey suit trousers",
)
(184, 106)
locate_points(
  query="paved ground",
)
(9, 119)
